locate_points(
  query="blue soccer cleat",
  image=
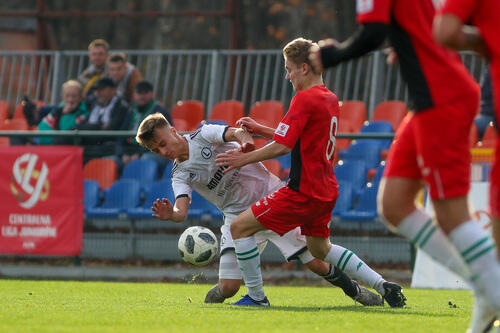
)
(249, 301)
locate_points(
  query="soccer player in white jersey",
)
(233, 192)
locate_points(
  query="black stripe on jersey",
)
(176, 165)
(181, 196)
(411, 70)
(296, 168)
(195, 133)
(224, 133)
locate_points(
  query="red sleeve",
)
(291, 126)
(463, 9)
(373, 11)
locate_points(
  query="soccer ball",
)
(198, 246)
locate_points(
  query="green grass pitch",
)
(61, 306)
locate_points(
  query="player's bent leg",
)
(318, 246)
(229, 277)
(245, 225)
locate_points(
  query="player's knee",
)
(229, 288)
(235, 229)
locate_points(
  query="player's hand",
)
(249, 125)
(315, 53)
(162, 209)
(232, 159)
(247, 146)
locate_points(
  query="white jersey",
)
(232, 192)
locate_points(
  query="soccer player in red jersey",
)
(432, 146)
(308, 131)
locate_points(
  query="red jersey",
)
(434, 74)
(309, 129)
(485, 14)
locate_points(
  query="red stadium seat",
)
(473, 137)
(268, 113)
(228, 111)
(344, 128)
(102, 170)
(352, 113)
(274, 167)
(4, 141)
(260, 142)
(489, 138)
(4, 111)
(19, 124)
(190, 114)
(391, 111)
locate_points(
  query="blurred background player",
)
(308, 131)
(232, 193)
(432, 146)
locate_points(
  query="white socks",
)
(248, 258)
(350, 264)
(419, 228)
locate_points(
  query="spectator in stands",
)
(125, 75)
(98, 54)
(487, 112)
(145, 104)
(107, 112)
(66, 116)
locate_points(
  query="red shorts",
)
(434, 145)
(286, 209)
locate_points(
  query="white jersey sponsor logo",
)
(282, 129)
(364, 6)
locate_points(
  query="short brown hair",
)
(99, 42)
(298, 50)
(117, 57)
(146, 130)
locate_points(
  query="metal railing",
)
(209, 76)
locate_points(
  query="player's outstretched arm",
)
(242, 136)
(450, 31)
(253, 127)
(164, 210)
(234, 159)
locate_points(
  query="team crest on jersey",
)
(282, 129)
(206, 153)
(364, 6)
(192, 176)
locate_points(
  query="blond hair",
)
(72, 84)
(99, 43)
(146, 130)
(298, 50)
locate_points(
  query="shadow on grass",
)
(350, 308)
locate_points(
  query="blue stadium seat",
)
(344, 201)
(158, 190)
(366, 207)
(167, 172)
(144, 171)
(378, 175)
(353, 172)
(285, 161)
(90, 194)
(378, 127)
(200, 206)
(121, 196)
(363, 150)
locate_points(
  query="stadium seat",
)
(274, 167)
(145, 171)
(102, 170)
(378, 175)
(363, 150)
(4, 111)
(344, 128)
(489, 138)
(353, 172)
(473, 135)
(285, 161)
(366, 207)
(228, 111)
(158, 190)
(122, 195)
(187, 115)
(268, 113)
(353, 113)
(4, 141)
(200, 206)
(260, 142)
(19, 124)
(344, 201)
(90, 194)
(167, 172)
(390, 111)
(378, 127)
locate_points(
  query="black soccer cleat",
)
(394, 295)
